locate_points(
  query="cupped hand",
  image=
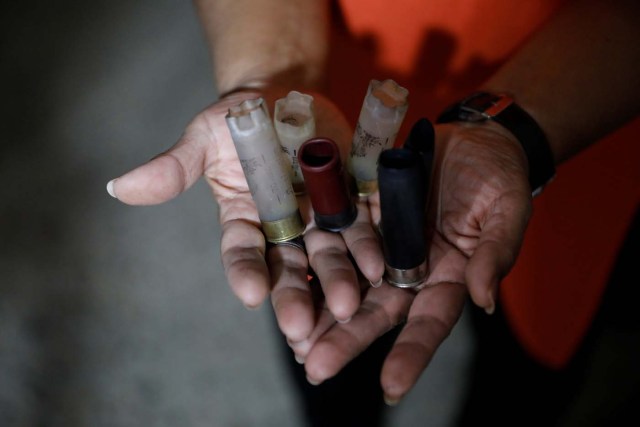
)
(480, 203)
(254, 271)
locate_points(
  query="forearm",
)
(578, 77)
(255, 43)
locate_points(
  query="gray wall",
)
(112, 315)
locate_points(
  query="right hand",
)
(206, 149)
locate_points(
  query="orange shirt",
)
(442, 50)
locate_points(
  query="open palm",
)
(253, 270)
(480, 204)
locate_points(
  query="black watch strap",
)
(503, 110)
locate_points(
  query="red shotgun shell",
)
(326, 184)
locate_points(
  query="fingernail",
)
(110, 188)
(391, 401)
(300, 348)
(299, 359)
(347, 320)
(251, 307)
(312, 381)
(491, 307)
(376, 284)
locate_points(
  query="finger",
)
(242, 250)
(328, 258)
(291, 295)
(166, 175)
(364, 246)
(434, 312)
(324, 323)
(373, 202)
(382, 309)
(498, 247)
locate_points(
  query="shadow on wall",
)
(432, 71)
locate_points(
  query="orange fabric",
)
(401, 27)
(441, 50)
(579, 223)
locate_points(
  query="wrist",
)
(280, 82)
(256, 43)
(485, 107)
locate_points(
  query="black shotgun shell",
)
(402, 204)
(421, 139)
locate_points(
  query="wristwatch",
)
(502, 109)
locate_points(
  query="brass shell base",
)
(283, 229)
(366, 188)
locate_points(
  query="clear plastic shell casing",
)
(295, 123)
(264, 167)
(382, 113)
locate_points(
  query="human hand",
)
(253, 271)
(479, 207)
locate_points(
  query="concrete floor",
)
(120, 316)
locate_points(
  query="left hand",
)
(479, 207)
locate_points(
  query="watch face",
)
(481, 102)
(484, 106)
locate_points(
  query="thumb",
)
(497, 250)
(166, 175)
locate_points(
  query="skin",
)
(577, 77)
